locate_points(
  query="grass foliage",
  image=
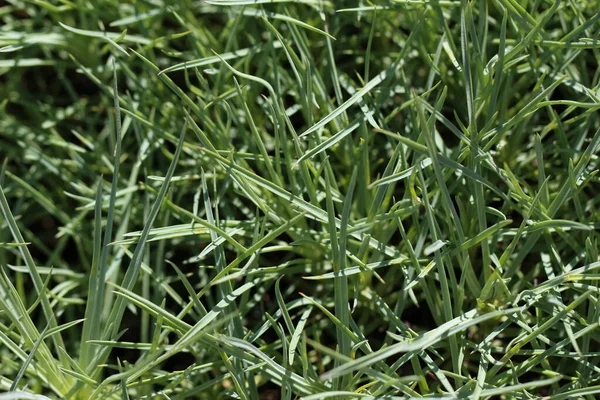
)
(277, 199)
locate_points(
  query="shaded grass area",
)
(299, 199)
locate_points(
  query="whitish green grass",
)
(276, 199)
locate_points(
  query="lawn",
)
(299, 199)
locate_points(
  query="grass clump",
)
(299, 199)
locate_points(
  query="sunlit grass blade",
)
(133, 270)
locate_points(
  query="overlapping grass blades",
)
(299, 199)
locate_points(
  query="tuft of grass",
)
(310, 199)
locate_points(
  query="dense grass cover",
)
(277, 199)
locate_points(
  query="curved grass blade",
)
(99, 35)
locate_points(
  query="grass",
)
(276, 199)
